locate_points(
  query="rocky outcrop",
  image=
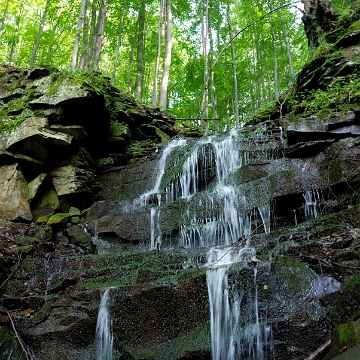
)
(64, 130)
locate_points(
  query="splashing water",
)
(236, 330)
(104, 337)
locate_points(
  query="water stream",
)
(221, 210)
(104, 336)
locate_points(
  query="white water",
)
(236, 329)
(312, 199)
(104, 336)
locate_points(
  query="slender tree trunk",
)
(92, 37)
(287, 44)
(276, 68)
(74, 56)
(41, 27)
(212, 74)
(167, 57)
(228, 125)
(205, 33)
(140, 52)
(236, 98)
(118, 45)
(130, 65)
(154, 97)
(260, 68)
(3, 18)
(16, 35)
(84, 59)
(100, 33)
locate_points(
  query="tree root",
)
(17, 335)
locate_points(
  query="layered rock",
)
(68, 129)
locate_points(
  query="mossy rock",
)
(75, 220)
(344, 337)
(73, 211)
(9, 346)
(27, 249)
(60, 218)
(42, 220)
(3, 269)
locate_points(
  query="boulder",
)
(72, 180)
(45, 204)
(33, 138)
(35, 184)
(14, 194)
(55, 92)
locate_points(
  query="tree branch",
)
(17, 335)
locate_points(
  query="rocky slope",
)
(67, 145)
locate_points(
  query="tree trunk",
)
(288, 46)
(212, 74)
(140, 52)
(74, 57)
(260, 68)
(118, 45)
(204, 33)
(89, 64)
(228, 125)
(41, 27)
(318, 20)
(16, 35)
(167, 57)
(85, 53)
(154, 97)
(3, 18)
(100, 33)
(236, 98)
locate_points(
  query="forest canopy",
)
(196, 60)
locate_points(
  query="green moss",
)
(9, 346)
(353, 285)
(59, 218)
(296, 274)
(199, 338)
(349, 334)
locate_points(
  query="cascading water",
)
(223, 213)
(236, 329)
(104, 337)
(221, 209)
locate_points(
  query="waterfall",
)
(236, 329)
(104, 337)
(312, 198)
(219, 213)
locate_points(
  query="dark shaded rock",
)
(38, 72)
(305, 149)
(76, 131)
(9, 346)
(318, 19)
(45, 204)
(79, 237)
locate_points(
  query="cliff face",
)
(59, 131)
(66, 153)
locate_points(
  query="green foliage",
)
(254, 55)
(323, 102)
